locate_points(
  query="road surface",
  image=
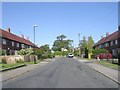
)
(62, 73)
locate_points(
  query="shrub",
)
(4, 61)
(2, 52)
(60, 53)
(98, 51)
(19, 60)
(21, 52)
(28, 51)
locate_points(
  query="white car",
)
(70, 55)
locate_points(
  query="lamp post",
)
(34, 43)
(79, 43)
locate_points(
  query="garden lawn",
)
(3, 66)
(107, 64)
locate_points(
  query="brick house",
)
(110, 42)
(10, 43)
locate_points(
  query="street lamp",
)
(34, 43)
(79, 43)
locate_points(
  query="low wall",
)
(14, 58)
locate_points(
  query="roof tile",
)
(111, 37)
(14, 37)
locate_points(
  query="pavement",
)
(20, 71)
(108, 72)
(61, 73)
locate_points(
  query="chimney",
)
(102, 37)
(28, 38)
(22, 36)
(8, 30)
(119, 27)
(107, 34)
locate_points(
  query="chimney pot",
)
(102, 37)
(27, 38)
(107, 34)
(119, 27)
(8, 30)
(22, 36)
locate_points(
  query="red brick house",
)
(11, 42)
(110, 42)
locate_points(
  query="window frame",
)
(4, 41)
(17, 44)
(12, 43)
(116, 42)
(111, 43)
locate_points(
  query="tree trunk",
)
(89, 56)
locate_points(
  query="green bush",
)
(4, 61)
(98, 51)
(2, 52)
(64, 53)
(57, 53)
(76, 52)
(28, 51)
(19, 60)
(60, 53)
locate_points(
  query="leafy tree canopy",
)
(61, 42)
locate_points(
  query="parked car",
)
(70, 55)
(104, 56)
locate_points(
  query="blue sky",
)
(54, 19)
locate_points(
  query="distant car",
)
(70, 55)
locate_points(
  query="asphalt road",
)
(62, 73)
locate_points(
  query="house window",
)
(100, 46)
(116, 42)
(4, 41)
(12, 43)
(111, 43)
(30, 47)
(113, 51)
(106, 44)
(18, 44)
(22, 45)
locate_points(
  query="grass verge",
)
(4, 66)
(107, 64)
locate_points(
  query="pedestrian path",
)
(19, 71)
(111, 73)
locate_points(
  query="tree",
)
(83, 46)
(76, 52)
(60, 53)
(43, 52)
(61, 43)
(61, 37)
(90, 46)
